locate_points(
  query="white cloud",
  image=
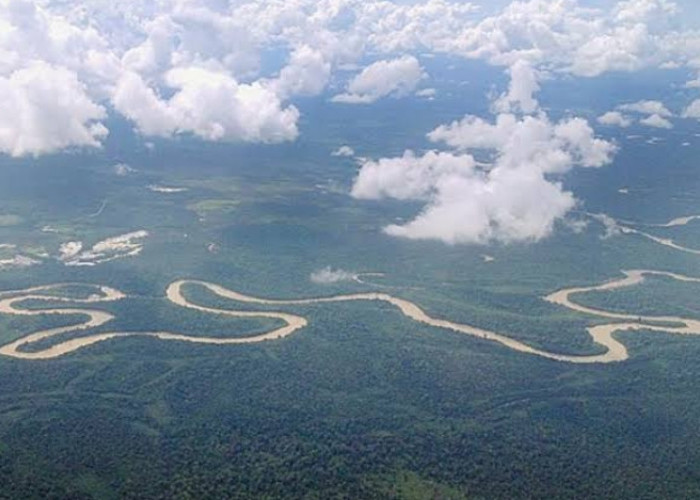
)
(393, 27)
(192, 33)
(523, 86)
(155, 53)
(307, 73)
(429, 93)
(122, 169)
(410, 177)
(693, 110)
(693, 84)
(141, 104)
(517, 198)
(329, 276)
(566, 35)
(647, 108)
(131, 53)
(45, 109)
(208, 104)
(609, 224)
(343, 151)
(622, 48)
(519, 206)
(631, 37)
(533, 139)
(614, 119)
(640, 11)
(656, 112)
(30, 33)
(395, 77)
(656, 121)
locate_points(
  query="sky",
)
(231, 71)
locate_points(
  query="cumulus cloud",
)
(208, 104)
(693, 110)
(567, 35)
(394, 77)
(619, 49)
(410, 177)
(614, 119)
(517, 198)
(609, 224)
(31, 33)
(307, 73)
(474, 207)
(656, 121)
(428, 93)
(343, 151)
(647, 108)
(329, 276)
(656, 112)
(44, 109)
(523, 86)
(53, 75)
(60, 69)
(552, 147)
(149, 60)
(640, 11)
(122, 169)
(693, 84)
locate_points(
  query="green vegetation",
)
(656, 296)
(410, 486)
(363, 403)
